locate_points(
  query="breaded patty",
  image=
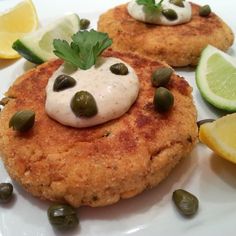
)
(178, 45)
(99, 165)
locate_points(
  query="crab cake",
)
(99, 165)
(178, 45)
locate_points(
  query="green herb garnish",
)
(84, 49)
(151, 4)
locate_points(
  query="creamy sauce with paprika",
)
(142, 13)
(114, 94)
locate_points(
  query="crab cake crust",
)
(99, 165)
(178, 45)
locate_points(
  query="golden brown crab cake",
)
(178, 45)
(99, 165)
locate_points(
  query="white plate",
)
(210, 178)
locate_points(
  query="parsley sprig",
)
(151, 4)
(84, 49)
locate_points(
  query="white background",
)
(210, 178)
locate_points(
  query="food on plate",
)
(96, 90)
(100, 164)
(220, 136)
(163, 99)
(161, 77)
(6, 190)
(84, 23)
(62, 216)
(22, 121)
(164, 12)
(205, 11)
(15, 23)
(96, 95)
(178, 45)
(37, 46)
(216, 78)
(185, 202)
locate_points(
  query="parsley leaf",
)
(84, 49)
(151, 4)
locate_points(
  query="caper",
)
(163, 99)
(62, 216)
(6, 190)
(22, 120)
(170, 14)
(84, 23)
(63, 82)
(186, 202)
(178, 3)
(161, 76)
(205, 11)
(119, 69)
(83, 104)
(201, 122)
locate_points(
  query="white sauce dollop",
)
(141, 13)
(114, 94)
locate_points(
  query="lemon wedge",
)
(220, 136)
(37, 46)
(216, 78)
(14, 24)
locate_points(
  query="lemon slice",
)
(37, 46)
(220, 136)
(6, 40)
(15, 23)
(216, 78)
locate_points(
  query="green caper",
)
(201, 122)
(170, 14)
(163, 99)
(63, 82)
(62, 216)
(186, 202)
(119, 69)
(84, 23)
(161, 76)
(205, 11)
(178, 3)
(83, 104)
(22, 120)
(6, 190)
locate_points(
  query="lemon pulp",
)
(22, 18)
(37, 46)
(216, 78)
(221, 77)
(220, 136)
(15, 23)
